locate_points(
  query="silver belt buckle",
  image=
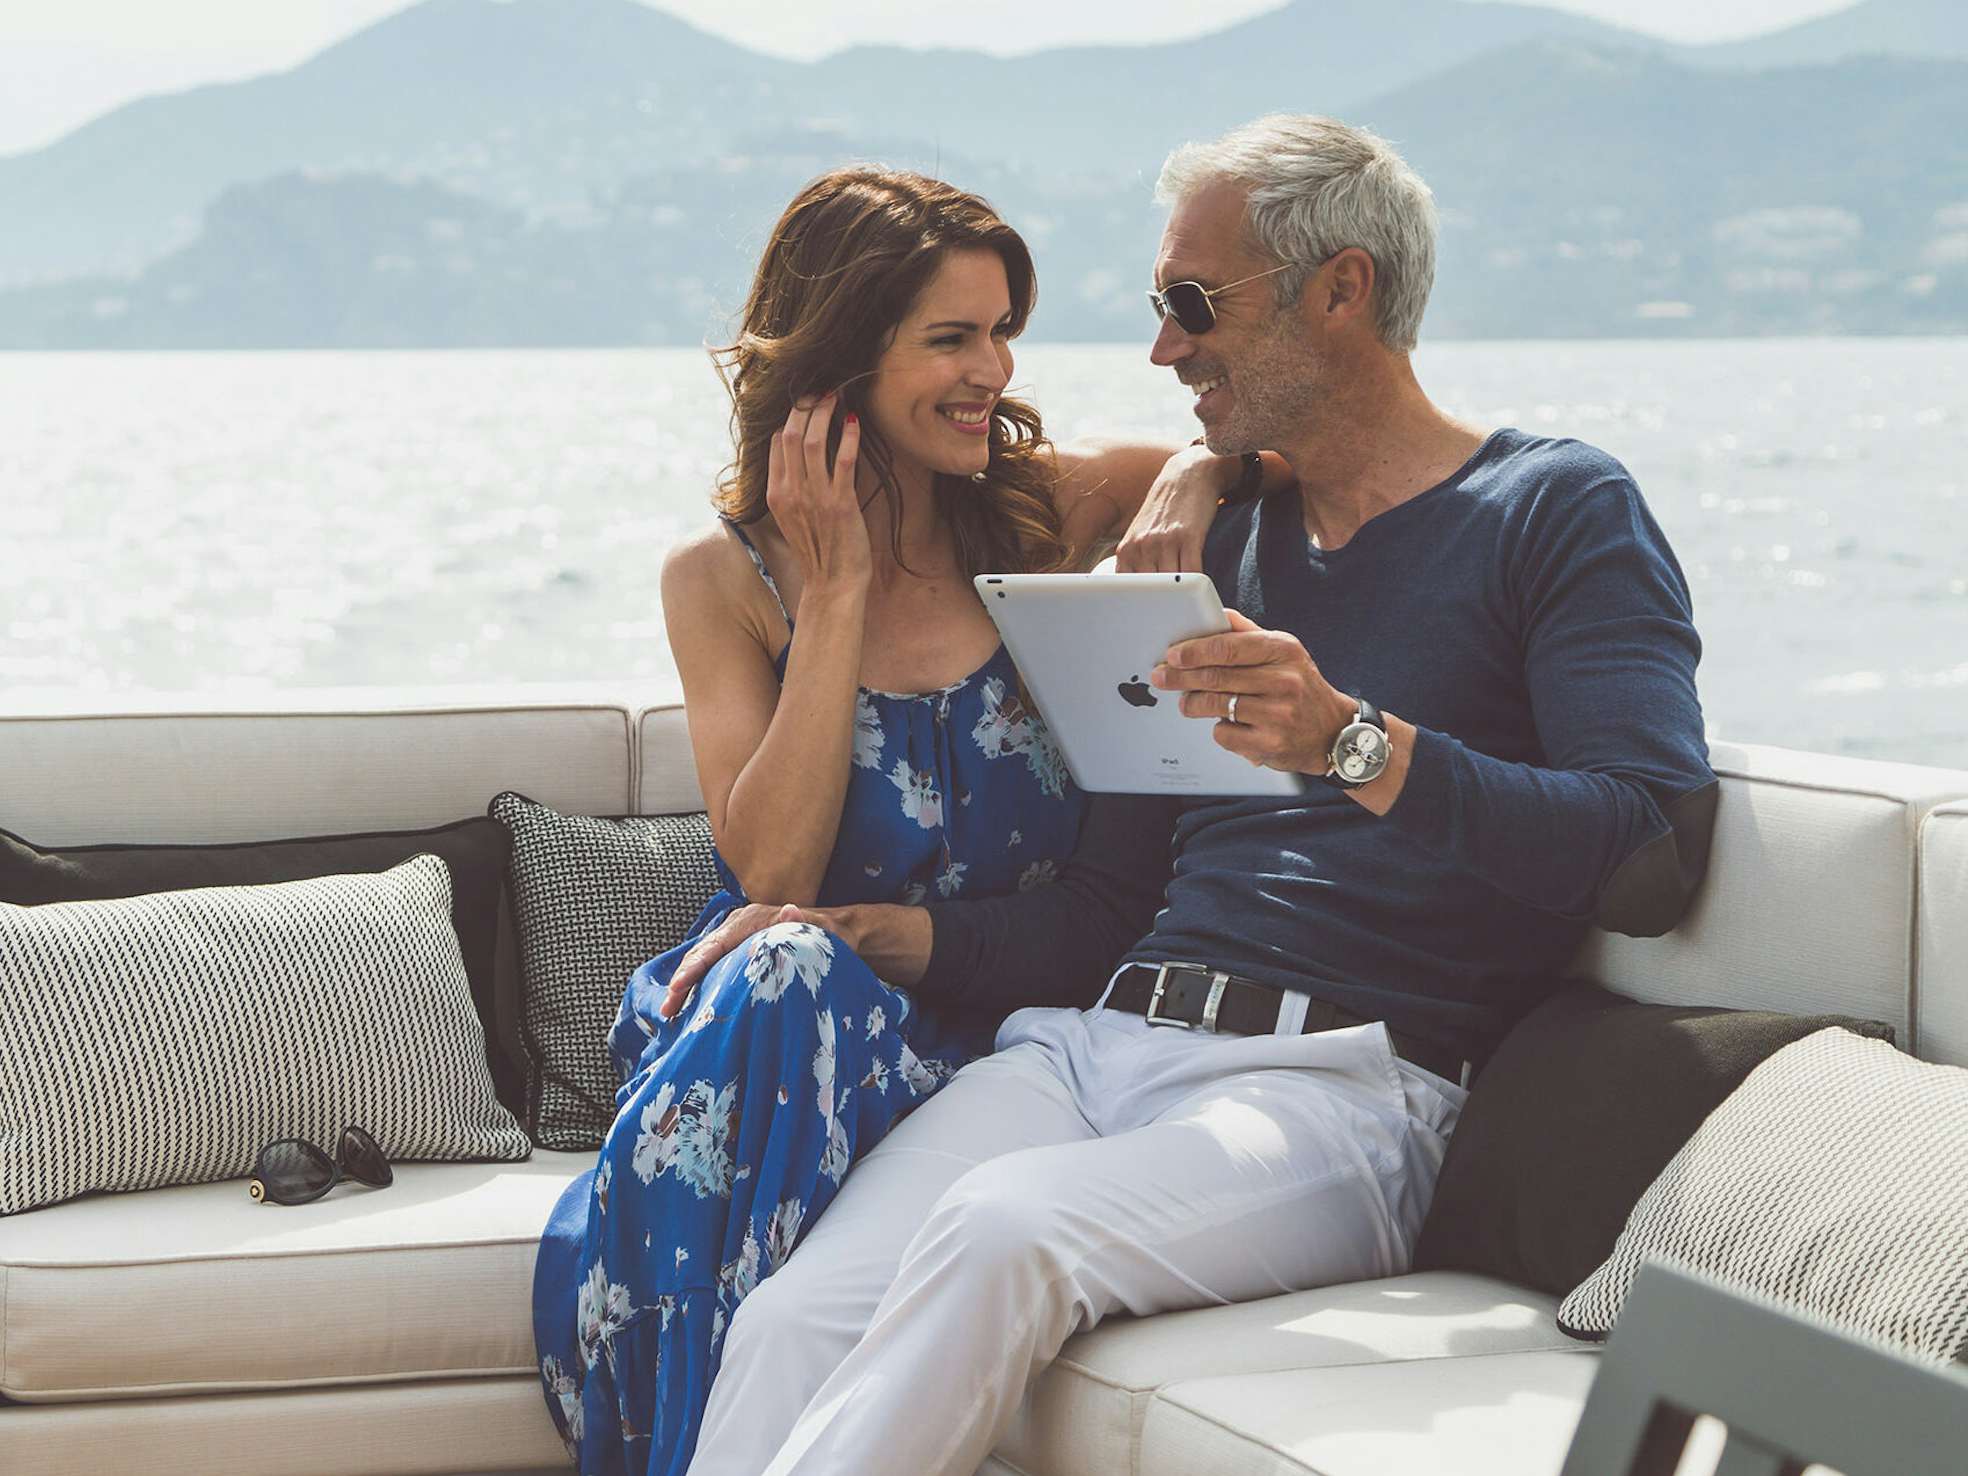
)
(1218, 982)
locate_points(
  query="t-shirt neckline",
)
(1316, 554)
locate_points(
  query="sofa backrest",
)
(1834, 885)
(1810, 902)
(314, 767)
(1941, 963)
(666, 774)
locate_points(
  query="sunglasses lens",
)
(294, 1171)
(362, 1158)
(1189, 308)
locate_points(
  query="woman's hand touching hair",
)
(816, 507)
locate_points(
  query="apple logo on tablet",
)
(1136, 693)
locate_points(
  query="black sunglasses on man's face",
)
(1189, 302)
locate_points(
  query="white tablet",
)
(1085, 644)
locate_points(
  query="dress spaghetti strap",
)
(758, 562)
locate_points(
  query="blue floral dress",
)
(737, 1121)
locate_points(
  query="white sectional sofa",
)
(191, 1330)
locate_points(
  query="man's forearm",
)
(1054, 944)
(893, 940)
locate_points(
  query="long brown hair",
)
(845, 263)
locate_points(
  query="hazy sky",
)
(63, 62)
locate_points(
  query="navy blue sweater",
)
(1529, 618)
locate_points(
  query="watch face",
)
(1362, 752)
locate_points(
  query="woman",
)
(859, 736)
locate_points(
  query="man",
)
(1483, 645)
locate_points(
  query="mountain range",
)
(599, 172)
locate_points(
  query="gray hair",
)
(1316, 188)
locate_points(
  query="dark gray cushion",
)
(1576, 1113)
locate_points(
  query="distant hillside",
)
(1932, 29)
(359, 261)
(1085, 110)
(1667, 201)
(1665, 206)
(592, 172)
(536, 104)
(547, 105)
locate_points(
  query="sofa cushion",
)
(1576, 1113)
(1833, 1181)
(1500, 1414)
(200, 1289)
(1091, 1403)
(419, 1427)
(474, 850)
(1808, 906)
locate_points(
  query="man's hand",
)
(754, 917)
(1166, 536)
(1288, 714)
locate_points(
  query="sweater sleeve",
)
(1057, 944)
(1613, 825)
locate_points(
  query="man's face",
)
(1259, 369)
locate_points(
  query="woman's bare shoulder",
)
(708, 575)
(709, 557)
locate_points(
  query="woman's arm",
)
(773, 760)
(1055, 944)
(1167, 535)
(1162, 497)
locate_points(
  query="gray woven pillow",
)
(167, 1038)
(1834, 1180)
(593, 899)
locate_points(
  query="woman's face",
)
(937, 382)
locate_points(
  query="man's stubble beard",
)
(1279, 392)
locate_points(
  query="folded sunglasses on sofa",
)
(295, 1171)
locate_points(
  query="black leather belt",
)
(1194, 997)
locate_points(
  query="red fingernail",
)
(852, 418)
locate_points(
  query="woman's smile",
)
(968, 419)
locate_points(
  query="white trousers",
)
(1094, 1164)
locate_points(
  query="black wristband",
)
(1249, 483)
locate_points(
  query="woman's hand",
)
(1166, 536)
(753, 917)
(817, 510)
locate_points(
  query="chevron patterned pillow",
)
(164, 1039)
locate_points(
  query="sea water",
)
(252, 523)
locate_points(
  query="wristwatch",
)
(1249, 483)
(1361, 751)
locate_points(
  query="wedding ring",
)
(1233, 706)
